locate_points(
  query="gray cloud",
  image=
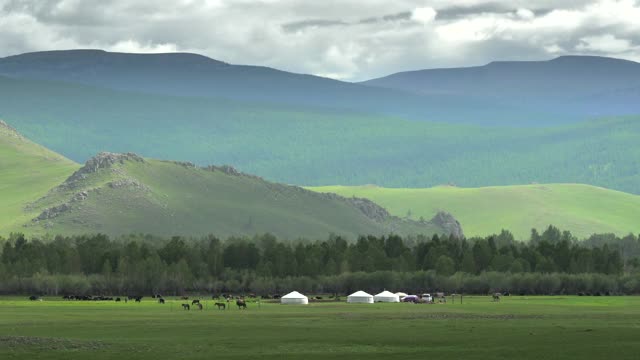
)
(347, 39)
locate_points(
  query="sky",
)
(347, 39)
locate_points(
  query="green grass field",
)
(516, 328)
(582, 209)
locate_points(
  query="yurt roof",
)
(387, 294)
(401, 294)
(360, 294)
(294, 295)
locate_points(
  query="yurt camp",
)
(294, 298)
(386, 296)
(360, 297)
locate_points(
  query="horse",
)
(242, 305)
(34, 298)
(186, 307)
(496, 297)
(221, 306)
(184, 298)
(138, 299)
(161, 300)
(196, 301)
(199, 306)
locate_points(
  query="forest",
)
(551, 262)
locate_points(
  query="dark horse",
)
(221, 306)
(186, 306)
(242, 305)
(161, 300)
(196, 301)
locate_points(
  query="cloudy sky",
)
(346, 39)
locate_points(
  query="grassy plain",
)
(582, 209)
(516, 328)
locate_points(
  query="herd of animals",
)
(195, 303)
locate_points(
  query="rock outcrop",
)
(103, 160)
(449, 223)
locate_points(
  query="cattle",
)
(186, 307)
(34, 298)
(184, 298)
(496, 297)
(117, 299)
(139, 299)
(195, 301)
(221, 306)
(199, 306)
(161, 300)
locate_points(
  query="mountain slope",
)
(124, 193)
(582, 209)
(565, 85)
(27, 171)
(312, 146)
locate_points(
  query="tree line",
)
(550, 262)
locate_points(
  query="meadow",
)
(517, 328)
(582, 209)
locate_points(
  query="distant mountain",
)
(584, 210)
(120, 194)
(565, 85)
(498, 93)
(182, 74)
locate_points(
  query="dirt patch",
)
(44, 343)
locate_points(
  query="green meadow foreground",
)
(515, 328)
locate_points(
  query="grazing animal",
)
(185, 298)
(161, 300)
(33, 298)
(139, 298)
(221, 306)
(199, 306)
(496, 297)
(186, 307)
(196, 301)
(242, 305)
(117, 299)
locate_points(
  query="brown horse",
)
(242, 305)
(221, 306)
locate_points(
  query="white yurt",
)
(360, 297)
(294, 298)
(401, 295)
(386, 296)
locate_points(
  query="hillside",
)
(124, 193)
(582, 209)
(312, 146)
(27, 171)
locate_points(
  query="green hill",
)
(123, 193)
(582, 209)
(27, 171)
